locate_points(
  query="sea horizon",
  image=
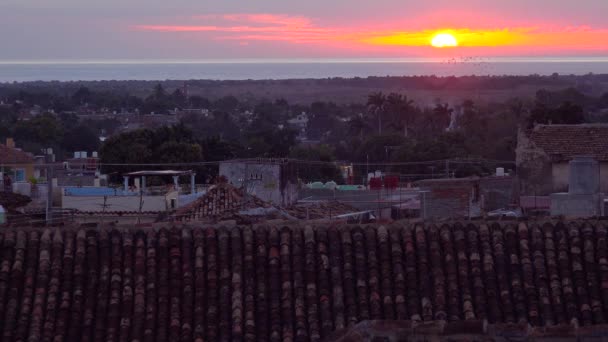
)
(514, 59)
(28, 70)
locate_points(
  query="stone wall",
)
(448, 200)
(534, 168)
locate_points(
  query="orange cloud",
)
(297, 29)
(514, 37)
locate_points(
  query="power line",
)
(296, 161)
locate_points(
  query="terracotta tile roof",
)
(563, 142)
(297, 284)
(13, 155)
(225, 202)
(466, 331)
(221, 200)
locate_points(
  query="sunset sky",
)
(194, 29)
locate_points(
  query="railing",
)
(37, 218)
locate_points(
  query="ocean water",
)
(21, 71)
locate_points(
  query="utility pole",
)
(245, 185)
(141, 206)
(103, 209)
(379, 210)
(367, 172)
(447, 168)
(49, 194)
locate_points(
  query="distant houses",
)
(271, 180)
(15, 163)
(543, 154)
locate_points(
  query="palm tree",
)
(442, 114)
(376, 103)
(402, 111)
(358, 124)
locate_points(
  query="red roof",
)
(12, 155)
(563, 142)
(290, 283)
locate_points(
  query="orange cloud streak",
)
(514, 37)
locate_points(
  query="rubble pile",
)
(221, 202)
(224, 202)
(320, 210)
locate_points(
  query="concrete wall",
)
(114, 203)
(448, 201)
(561, 173)
(576, 206)
(467, 197)
(496, 192)
(266, 181)
(534, 168)
(453, 202)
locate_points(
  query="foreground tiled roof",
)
(563, 142)
(295, 284)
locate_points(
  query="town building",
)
(15, 163)
(300, 124)
(543, 154)
(271, 180)
(134, 198)
(448, 198)
(583, 198)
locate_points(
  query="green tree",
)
(379, 148)
(359, 125)
(199, 102)
(402, 113)
(322, 120)
(376, 103)
(566, 113)
(275, 143)
(82, 95)
(43, 129)
(178, 152)
(434, 121)
(320, 172)
(228, 104)
(80, 138)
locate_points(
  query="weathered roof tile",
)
(294, 284)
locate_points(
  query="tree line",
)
(384, 128)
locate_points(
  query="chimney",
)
(10, 143)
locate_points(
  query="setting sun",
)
(444, 40)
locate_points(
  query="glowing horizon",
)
(250, 28)
(191, 29)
